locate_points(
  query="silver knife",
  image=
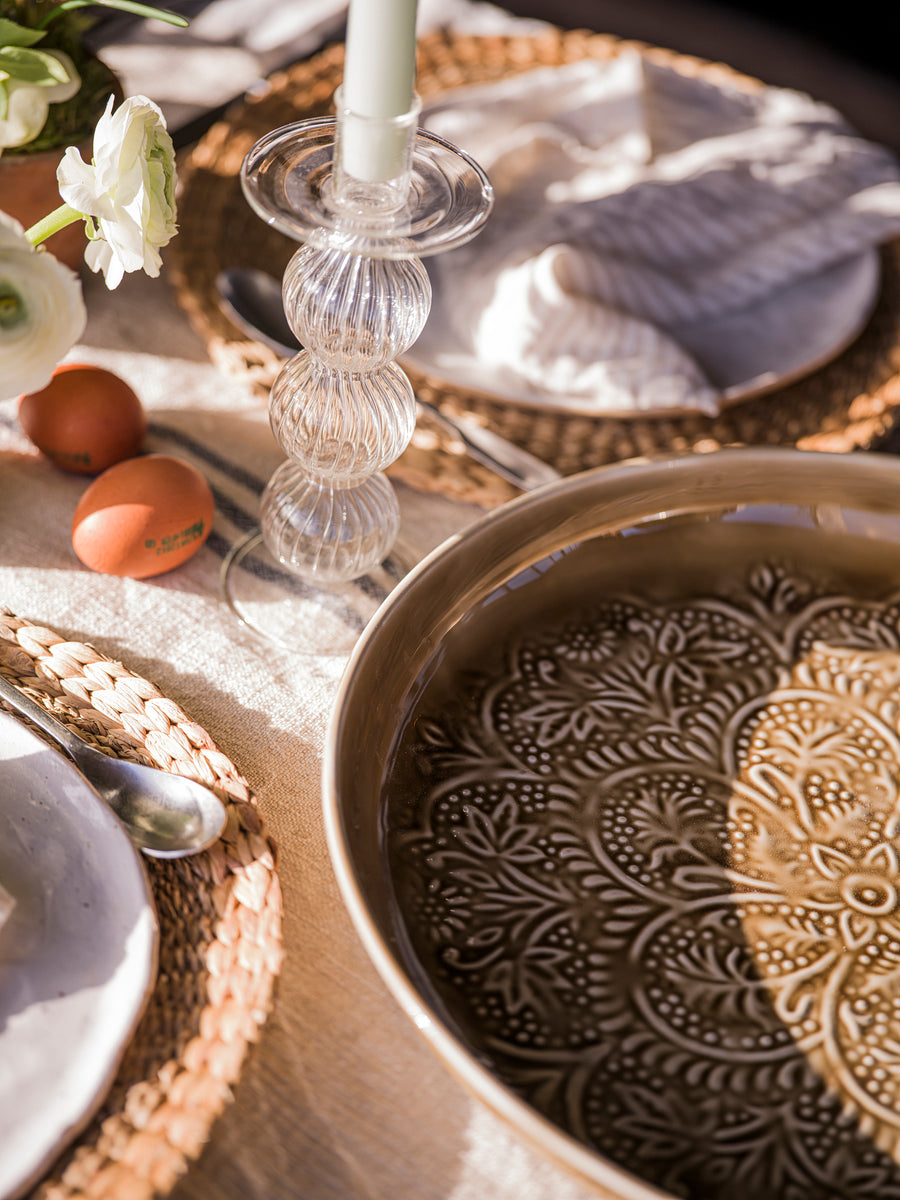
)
(519, 467)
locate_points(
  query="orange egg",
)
(85, 419)
(143, 517)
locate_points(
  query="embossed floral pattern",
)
(652, 868)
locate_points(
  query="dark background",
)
(847, 54)
(863, 32)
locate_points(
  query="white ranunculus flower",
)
(42, 312)
(28, 104)
(127, 191)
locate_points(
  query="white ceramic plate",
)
(77, 954)
(745, 354)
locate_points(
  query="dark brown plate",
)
(627, 845)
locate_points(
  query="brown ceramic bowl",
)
(626, 841)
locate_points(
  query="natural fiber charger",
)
(219, 917)
(849, 404)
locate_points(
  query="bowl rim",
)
(650, 476)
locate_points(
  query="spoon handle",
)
(39, 716)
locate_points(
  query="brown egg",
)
(85, 419)
(143, 517)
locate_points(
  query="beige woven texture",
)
(220, 929)
(848, 404)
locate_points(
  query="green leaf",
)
(31, 66)
(12, 34)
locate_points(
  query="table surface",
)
(341, 1097)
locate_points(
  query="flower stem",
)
(52, 223)
(129, 6)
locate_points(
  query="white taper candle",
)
(380, 62)
(378, 86)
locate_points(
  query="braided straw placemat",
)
(219, 915)
(848, 404)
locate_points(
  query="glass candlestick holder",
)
(366, 199)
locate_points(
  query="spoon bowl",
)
(165, 815)
(252, 300)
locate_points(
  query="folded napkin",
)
(634, 203)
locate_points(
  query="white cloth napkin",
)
(632, 202)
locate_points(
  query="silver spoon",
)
(166, 815)
(252, 299)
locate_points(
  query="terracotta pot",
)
(28, 192)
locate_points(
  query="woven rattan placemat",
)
(220, 930)
(848, 404)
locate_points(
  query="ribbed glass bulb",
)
(355, 313)
(324, 533)
(341, 425)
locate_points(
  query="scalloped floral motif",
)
(652, 872)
